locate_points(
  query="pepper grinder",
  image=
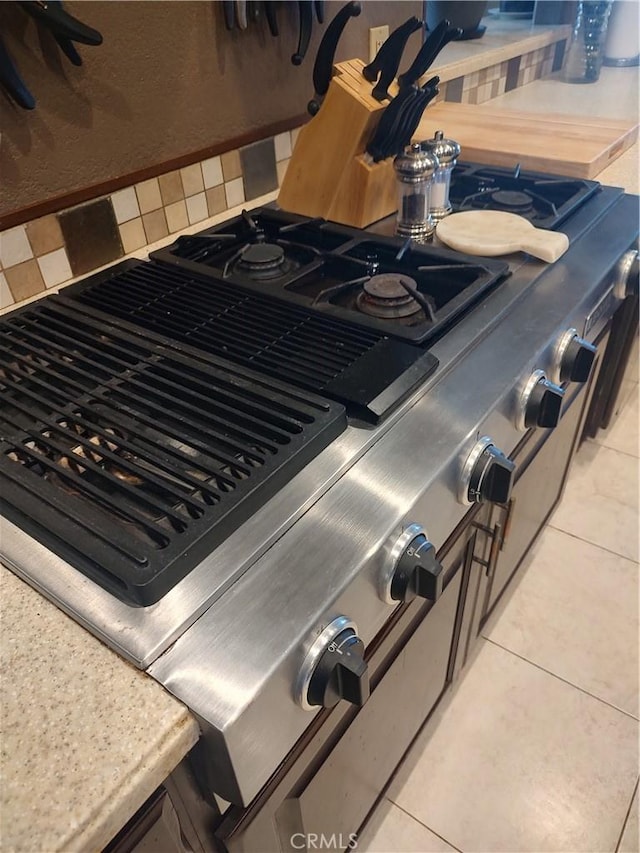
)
(415, 169)
(447, 152)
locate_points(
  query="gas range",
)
(164, 343)
(393, 287)
(545, 200)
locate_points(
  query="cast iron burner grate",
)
(324, 267)
(542, 199)
(260, 246)
(361, 368)
(133, 461)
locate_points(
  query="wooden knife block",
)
(328, 174)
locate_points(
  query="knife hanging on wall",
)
(229, 14)
(12, 82)
(387, 59)
(270, 15)
(305, 12)
(325, 56)
(60, 23)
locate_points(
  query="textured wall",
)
(169, 79)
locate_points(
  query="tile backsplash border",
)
(53, 250)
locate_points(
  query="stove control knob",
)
(628, 275)
(540, 403)
(573, 359)
(412, 569)
(334, 668)
(487, 475)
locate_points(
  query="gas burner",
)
(262, 261)
(512, 200)
(542, 199)
(388, 296)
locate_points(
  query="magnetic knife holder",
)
(330, 174)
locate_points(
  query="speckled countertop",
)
(86, 738)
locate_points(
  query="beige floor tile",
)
(633, 368)
(627, 390)
(629, 842)
(575, 613)
(600, 503)
(522, 761)
(390, 830)
(623, 435)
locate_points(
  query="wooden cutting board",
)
(545, 142)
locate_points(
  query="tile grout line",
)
(594, 544)
(560, 678)
(614, 449)
(626, 817)
(417, 820)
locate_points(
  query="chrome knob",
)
(411, 569)
(334, 668)
(540, 403)
(487, 475)
(573, 359)
(627, 275)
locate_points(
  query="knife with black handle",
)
(409, 126)
(325, 56)
(69, 50)
(387, 59)
(388, 123)
(440, 36)
(12, 82)
(305, 10)
(229, 14)
(61, 23)
(405, 123)
(270, 15)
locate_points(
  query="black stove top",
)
(133, 459)
(369, 372)
(152, 408)
(545, 200)
(395, 287)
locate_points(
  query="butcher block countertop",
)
(86, 738)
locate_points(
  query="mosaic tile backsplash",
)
(50, 251)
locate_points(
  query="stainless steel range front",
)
(314, 428)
